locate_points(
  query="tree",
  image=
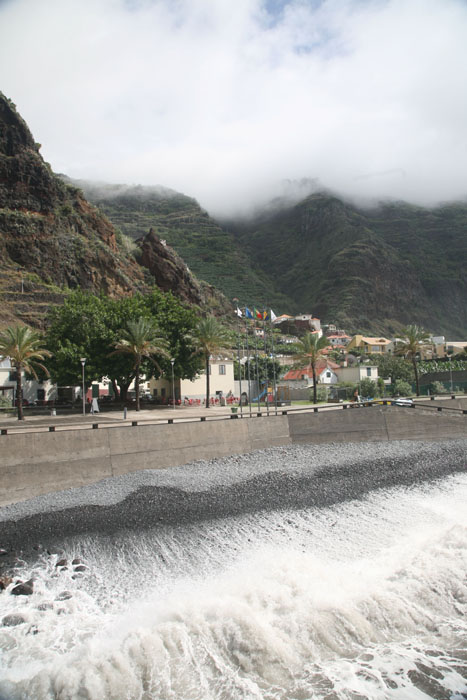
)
(140, 340)
(23, 346)
(210, 338)
(89, 326)
(367, 387)
(409, 346)
(392, 367)
(311, 349)
(402, 388)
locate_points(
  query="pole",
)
(257, 371)
(173, 382)
(274, 386)
(266, 360)
(248, 361)
(238, 313)
(83, 362)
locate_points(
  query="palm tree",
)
(209, 338)
(22, 346)
(311, 348)
(409, 346)
(140, 339)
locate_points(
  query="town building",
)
(370, 345)
(221, 384)
(303, 377)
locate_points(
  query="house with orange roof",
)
(370, 345)
(302, 378)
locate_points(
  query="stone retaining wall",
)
(35, 463)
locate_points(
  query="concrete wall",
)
(35, 463)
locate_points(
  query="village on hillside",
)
(265, 365)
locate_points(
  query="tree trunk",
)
(315, 397)
(115, 389)
(207, 381)
(137, 386)
(124, 390)
(19, 391)
(415, 370)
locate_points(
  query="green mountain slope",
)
(369, 270)
(211, 252)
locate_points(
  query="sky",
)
(234, 102)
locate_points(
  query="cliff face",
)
(368, 270)
(52, 239)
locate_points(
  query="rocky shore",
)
(281, 477)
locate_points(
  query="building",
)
(356, 373)
(221, 383)
(33, 391)
(303, 377)
(339, 340)
(303, 323)
(370, 346)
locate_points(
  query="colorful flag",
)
(238, 312)
(258, 314)
(266, 316)
(248, 313)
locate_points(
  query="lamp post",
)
(172, 361)
(83, 362)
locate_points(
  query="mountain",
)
(372, 270)
(367, 269)
(53, 240)
(211, 251)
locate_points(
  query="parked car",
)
(402, 402)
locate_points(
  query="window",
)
(368, 371)
(154, 391)
(163, 392)
(13, 376)
(375, 348)
(221, 369)
(328, 374)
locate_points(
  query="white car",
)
(403, 402)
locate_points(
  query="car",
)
(402, 402)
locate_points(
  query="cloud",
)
(224, 101)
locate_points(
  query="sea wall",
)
(32, 464)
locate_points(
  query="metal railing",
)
(279, 411)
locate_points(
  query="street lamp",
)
(172, 361)
(83, 362)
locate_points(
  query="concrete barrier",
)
(32, 464)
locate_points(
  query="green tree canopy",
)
(140, 340)
(210, 338)
(409, 346)
(310, 351)
(89, 326)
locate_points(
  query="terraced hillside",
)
(210, 251)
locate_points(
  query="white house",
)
(33, 391)
(221, 383)
(303, 378)
(356, 373)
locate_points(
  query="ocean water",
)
(362, 600)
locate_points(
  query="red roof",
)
(308, 372)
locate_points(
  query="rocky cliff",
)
(52, 239)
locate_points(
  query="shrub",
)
(321, 393)
(402, 388)
(437, 388)
(368, 388)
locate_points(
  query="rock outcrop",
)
(52, 239)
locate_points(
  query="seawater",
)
(363, 600)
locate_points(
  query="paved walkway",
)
(152, 415)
